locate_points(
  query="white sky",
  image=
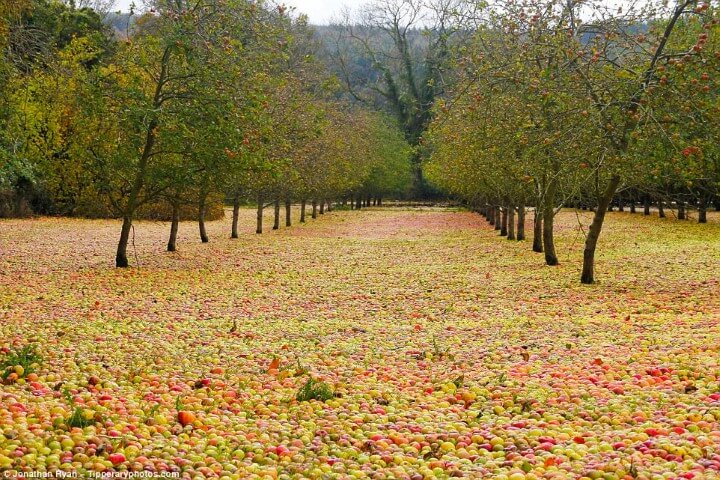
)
(320, 12)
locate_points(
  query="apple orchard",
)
(435, 239)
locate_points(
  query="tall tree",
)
(617, 73)
(162, 83)
(585, 75)
(397, 54)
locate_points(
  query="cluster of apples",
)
(530, 422)
(507, 377)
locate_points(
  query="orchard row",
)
(581, 104)
(193, 105)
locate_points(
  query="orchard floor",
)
(417, 318)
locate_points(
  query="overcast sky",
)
(319, 11)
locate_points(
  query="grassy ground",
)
(449, 350)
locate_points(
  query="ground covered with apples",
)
(386, 343)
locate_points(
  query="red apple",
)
(186, 418)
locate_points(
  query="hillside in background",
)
(120, 22)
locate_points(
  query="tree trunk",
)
(302, 210)
(661, 209)
(498, 218)
(352, 203)
(314, 209)
(621, 204)
(322, 207)
(276, 225)
(549, 237)
(646, 205)
(288, 213)
(121, 260)
(588, 271)
(491, 215)
(549, 227)
(379, 202)
(260, 207)
(174, 224)
(521, 223)
(201, 220)
(681, 211)
(511, 222)
(235, 218)
(329, 206)
(632, 207)
(504, 222)
(358, 203)
(702, 210)
(537, 231)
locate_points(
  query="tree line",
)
(200, 101)
(575, 103)
(510, 106)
